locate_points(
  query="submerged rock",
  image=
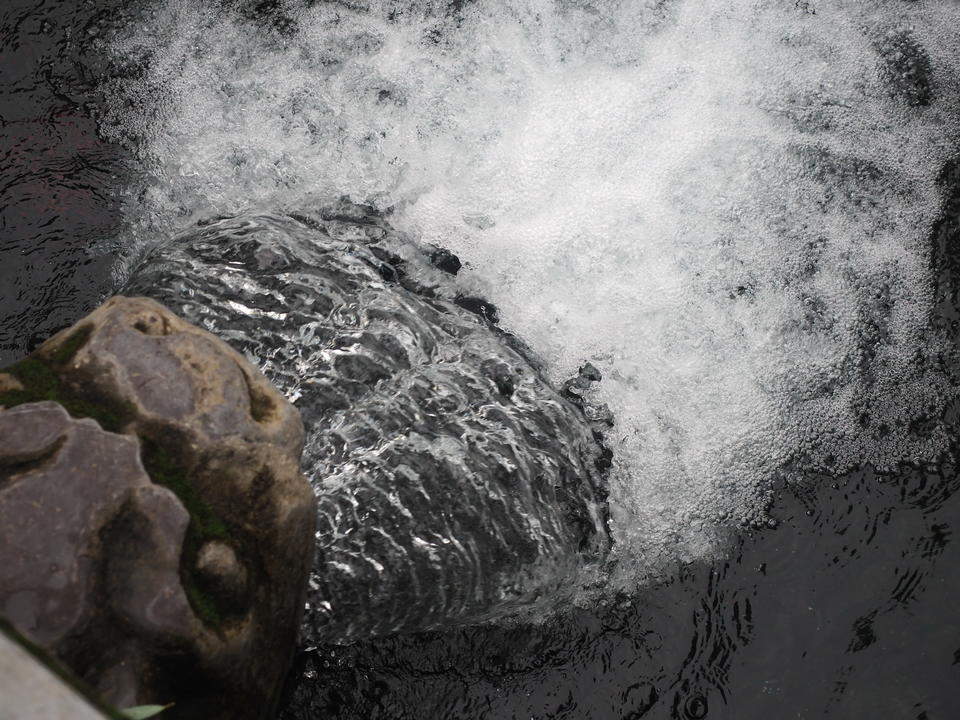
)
(453, 483)
(156, 537)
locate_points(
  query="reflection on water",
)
(845, 610)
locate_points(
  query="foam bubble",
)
(724, 205)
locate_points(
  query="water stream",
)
(743, 213)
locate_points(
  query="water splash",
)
(724, 205)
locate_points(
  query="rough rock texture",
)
(453, 483)
(160, 546)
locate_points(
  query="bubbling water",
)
(724, 205)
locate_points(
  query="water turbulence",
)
(725, 206)
(453, 484)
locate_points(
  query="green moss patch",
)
(164, 470)
(205, 524)
(40, 377)
(69, 347)
(203, 603)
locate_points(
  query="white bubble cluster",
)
(723, 204)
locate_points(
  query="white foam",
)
(721, 204)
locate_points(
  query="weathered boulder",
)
(454, 484)
(155, 530)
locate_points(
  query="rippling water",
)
(453, 484)
(727, 206)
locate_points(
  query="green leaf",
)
(141, 712)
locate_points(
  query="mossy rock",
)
(211, 429)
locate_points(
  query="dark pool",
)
(847, 609)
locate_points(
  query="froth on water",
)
(724, 205)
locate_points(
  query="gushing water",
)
(725, 205)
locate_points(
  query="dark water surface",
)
(847, 609)
(59, 213)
